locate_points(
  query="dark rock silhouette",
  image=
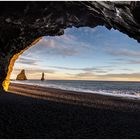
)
(42, 78)
(21, 23)
(21, 75)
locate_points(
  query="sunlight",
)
(82, 54)
(83, 59)
(6, 82)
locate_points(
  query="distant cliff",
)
(21, 75)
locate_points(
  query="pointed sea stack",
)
(21, 75)
(42, 78)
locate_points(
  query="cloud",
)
(118, 77)
(103, 71)
(127, 69)
(85, 75)
(27, 61)
(123, 75)
(54, 47)
(67, 45)
(70, 68)
(31, 71)
(87, 69)
(123, 52)
(133, 61)
(65, 68)
(44, 42)
(67, 37)
(125, 61)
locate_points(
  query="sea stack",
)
(42, 78)
(21, 75)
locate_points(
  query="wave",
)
(70, 88)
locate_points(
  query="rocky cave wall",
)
(24, 23)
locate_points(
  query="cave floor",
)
(25, 117)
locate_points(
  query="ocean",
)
(102, 87)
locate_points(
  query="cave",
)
(24, 23)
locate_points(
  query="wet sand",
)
(79, 98)
(28, 113)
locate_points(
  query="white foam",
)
(101, 92)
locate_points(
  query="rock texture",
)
(23, 22)
(21, 75)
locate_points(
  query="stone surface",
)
(23, 22)
(21, 75)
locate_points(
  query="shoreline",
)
(130, 96)
(38, 118)
(76, 97)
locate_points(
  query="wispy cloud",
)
(133, 61)
(67, 38)
(65, 68)
(53, 47)
(67, 45)
(123, 75)
(71, 68)
(123, 52)
(27, 61)
(31, 71)
(103, 69)
(116, 76)
(127, 61)
(85, 74)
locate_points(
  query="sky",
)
(82, 54)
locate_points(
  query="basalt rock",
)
(42, 78)
(21, 75)
(23, 22)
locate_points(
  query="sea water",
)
(102, 87)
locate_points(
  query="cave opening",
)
(81, 65)
(82, 54)
(24, 22)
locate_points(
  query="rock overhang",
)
(24, 22)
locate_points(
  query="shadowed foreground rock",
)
(23, 22)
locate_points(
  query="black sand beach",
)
(28, 117)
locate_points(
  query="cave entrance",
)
(22, 23)
(86, 54)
